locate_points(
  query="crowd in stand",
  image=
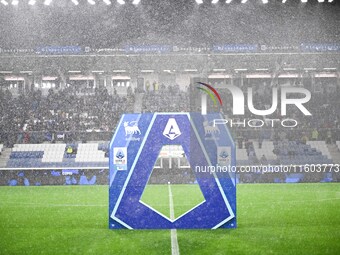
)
(66, 111)
(323, 124)
(59, 112)
(166, 99)
(324, 104)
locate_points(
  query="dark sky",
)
(177, 22)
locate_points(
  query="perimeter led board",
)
(134, 150)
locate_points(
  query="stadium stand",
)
(338, 144)
(266, 149)
(291, 152)
(55, 155)
(242, 157)
(321, 146)
(54, 130)
(89, 152)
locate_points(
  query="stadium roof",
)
(164, 21)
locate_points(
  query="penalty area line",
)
(173, 232)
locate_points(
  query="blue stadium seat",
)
(12, 182)
(26, 182)
(83, 180)
(294, 178)
(327, 178)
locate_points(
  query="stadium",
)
(169, 127)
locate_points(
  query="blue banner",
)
(148, 48)
(320, 47)
(58, 50)
(235, 48)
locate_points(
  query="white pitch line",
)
(297, 201)
(174, 241)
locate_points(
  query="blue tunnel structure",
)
(208, 148)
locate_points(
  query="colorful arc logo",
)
(208, 89)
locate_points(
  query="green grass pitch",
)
(185, 197)
(272, 219)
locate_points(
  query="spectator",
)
(263, 160)
(304, 139)
(260, 141)
(329, 136)
(69, 150)
(315, 134)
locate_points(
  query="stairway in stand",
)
(138, 103)
(4, 157)
(335, 153)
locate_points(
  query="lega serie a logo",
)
(171, 129)
(120, 154)
(120, 158)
